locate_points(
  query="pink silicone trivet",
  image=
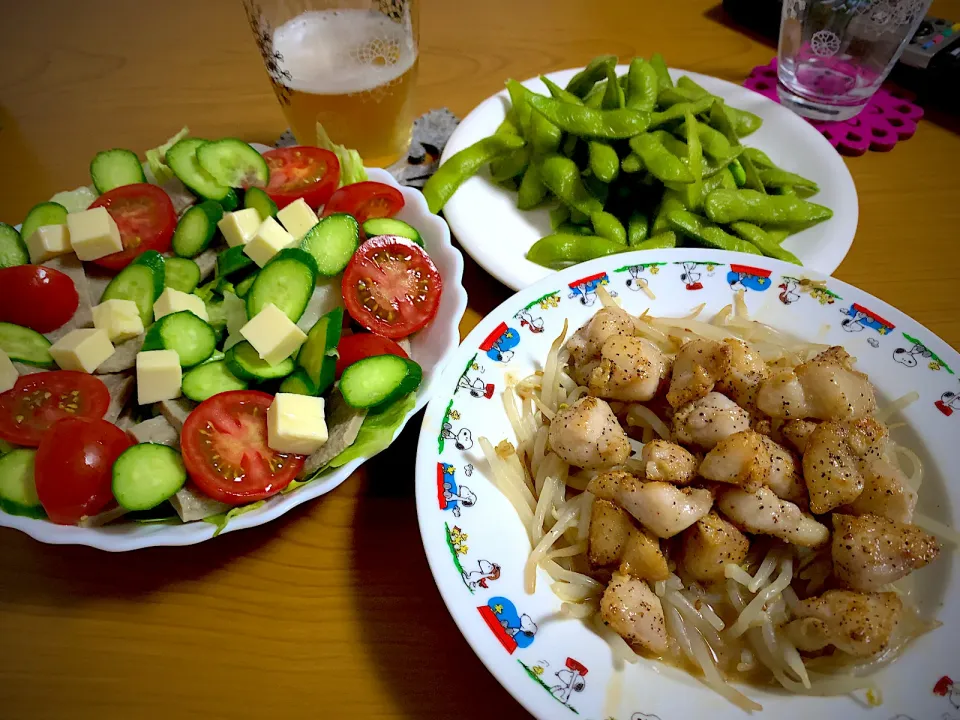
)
(889, 117)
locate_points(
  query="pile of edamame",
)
(636, 162)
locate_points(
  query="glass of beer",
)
(349, 65)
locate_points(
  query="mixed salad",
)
(193, 334)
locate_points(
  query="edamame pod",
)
(642, 85)
(660, 241)
(590, 123)
(637, 228)
(706, 233)
(562, 250)
(763, 242)
(464, 164)
(603, 161)
(608, 226)
(562, 177)
(727, 206)
(583, 82)
(659, 161)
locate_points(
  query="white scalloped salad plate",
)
(432, 346)
(476, 544)
(485, 220)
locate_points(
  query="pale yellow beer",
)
(354, 72)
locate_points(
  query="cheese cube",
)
(8, 373)
(240, 226)
(295, 424)
(270, 239)
(273, 335)
(84, 349)
(297, 218)
(48, 241)
(171, 301)
(158, 376)
(93, 233)
(120, 318)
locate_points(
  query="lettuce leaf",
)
(157, 157)
(222, 519)
(75, 200)
(351, 164)
(377, 431)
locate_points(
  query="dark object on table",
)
(929, 67)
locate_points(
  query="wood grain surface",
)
(331, 611)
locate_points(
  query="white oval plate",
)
(485, 219)
(431, 348)
(899, 354)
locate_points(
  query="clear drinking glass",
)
(350, 65)
(834, 54)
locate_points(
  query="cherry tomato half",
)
(301, 172)
(145, 217)
(363, 345)
(37, 297)
(37, 401)
(391, 286)
(365, 200)
(224, 446)
(74, 466)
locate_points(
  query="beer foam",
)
(337, 52)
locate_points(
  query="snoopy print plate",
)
(557, 666)
(484, 216)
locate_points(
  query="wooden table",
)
(331, 611)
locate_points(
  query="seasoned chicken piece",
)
(586, 342)
(662, 508)
(744, 374)
(642, 557)
(763, 513)
(630, 369)
(708, 545)
(707, 421)
(885, 492)
(866, 437)
(830, 469)
(825, 388)
(634, 611)
(696, 369)
(587, 434)
(870, 551)
(741, 459)
(859, 624)
(610, 528)
(667, 461)
(797, 432)
(786, 474)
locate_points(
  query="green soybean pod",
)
(776, 178)
(559, 215)
(613, 96)
(545, 137)
(759, 158)
(520, 104)
(763, 242)
(706, 233)
(608, 226)
(642, 85)
(444, 182)
(676, 112)
(713, 142)
(666, 239)
(562, 250)
(532, 190)
(726, 206)
(660, 67)
(559, 93)
(583, 82)
(721, 180)
(603, 161)
(744, 122)
(669, 201)
(589, 123)
(659, 161)
(737, 172)
(510, 165)
(562, 177)
(671, 142)
(637, 228)
(632, 163)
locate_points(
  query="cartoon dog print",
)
(748, 278)
(476, 387)
(462, 438)
(488, 572)
(644, 716)
(635, 282)
(948, 403)
(457, 497)
(855, 320)
(691, 276)
(789, 291)
(908, 358)
(500, 343)
(586, 288)
(858, 317)
(527, 320)
(571, 680)
(525, 630)
(947, 688)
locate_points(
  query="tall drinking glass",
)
(350, 65)
(834, 54)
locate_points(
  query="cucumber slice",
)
(114, 168)
(321, 340)
(231, 260)
(46, 213)
(146, 475)
(231, 201)
(332, 242)
(154, 260)
(257, 199)
(196, 229)
(287, 281)
(25, 345)
(182, 159)
(181, 274)
(243, 287)
(135, 282)
(18, 491)
(298, 383)
(244, 362)
(13, 251)
(375, 382)
(210, 378)
(192, 338)
(234, 163)
(391, 226)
